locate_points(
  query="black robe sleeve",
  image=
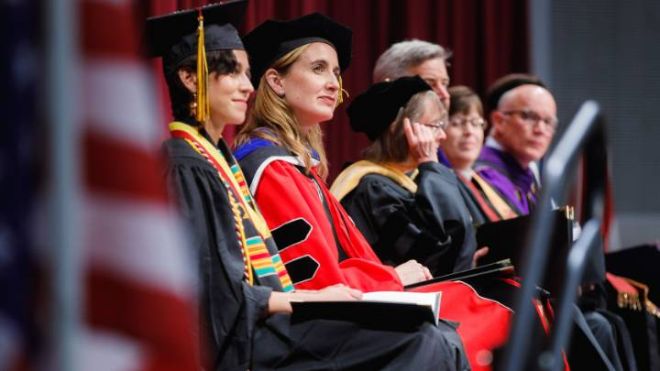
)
(229, 307)
(427, 226)
(440, 189)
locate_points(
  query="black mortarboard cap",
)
(273, 39)
(373, 111)
(507, 83)
(174, 36)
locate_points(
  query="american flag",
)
(138, 283)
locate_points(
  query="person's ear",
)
(188, 78)
(496, 120)
(275, 81)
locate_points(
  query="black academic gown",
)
(476, 213)
(234, 328)
(432, 225)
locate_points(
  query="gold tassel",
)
(202, 111)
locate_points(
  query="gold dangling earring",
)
(341, 92)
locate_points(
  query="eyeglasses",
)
(464, 123)
(436, 125)
(531, 118)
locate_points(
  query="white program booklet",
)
(395, 310)
(428, 299)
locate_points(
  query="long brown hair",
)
(270, 111)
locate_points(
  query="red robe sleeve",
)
(288, 198)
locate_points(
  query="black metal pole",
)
(555, 186)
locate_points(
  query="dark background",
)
(488, 39)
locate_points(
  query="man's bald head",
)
(524, 122)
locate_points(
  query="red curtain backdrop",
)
(488, 39)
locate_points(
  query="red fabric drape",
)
(488, 39)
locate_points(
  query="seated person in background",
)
(428, 61)
(524, 120)
(403, 216)
(465, 136)
(244, 290)
(523, 125)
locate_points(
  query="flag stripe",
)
(109, 351)
(154, 316)
(115, 168)
(142, 241)
(123, 104)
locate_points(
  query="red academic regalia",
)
(317, 252)
(320, 246)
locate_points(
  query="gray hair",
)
(395, 61)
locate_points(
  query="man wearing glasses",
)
(524, 120)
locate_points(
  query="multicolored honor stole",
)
(498, 203)
(490, 213)
(255, 253)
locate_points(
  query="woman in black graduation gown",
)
(406, 203)
(244, 290)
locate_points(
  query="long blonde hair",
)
(271, 111)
